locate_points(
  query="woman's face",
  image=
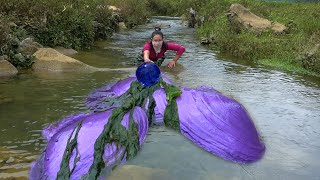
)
(157, 38)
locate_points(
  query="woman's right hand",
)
(148, 60)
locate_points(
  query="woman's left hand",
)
(171, 64)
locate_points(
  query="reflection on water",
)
(33, 101)
(285, 108)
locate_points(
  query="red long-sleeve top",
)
(166, 46)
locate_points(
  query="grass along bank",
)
(285, 51)
(296, 50)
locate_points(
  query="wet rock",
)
(134, 172)
(241, 18)
(7, 69)
(192, 19)
(184, 23)
(48, 59)
(113, 8)
(10, 160)
(28, 46)
(204, 40)
(311, 59)
(122, 26)
(67, 52)
(207, 40)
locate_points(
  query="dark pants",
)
(139, 60)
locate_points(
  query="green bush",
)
(134, 12)
(70, 28)
(10, 38)
(68, 23)
(59, 23)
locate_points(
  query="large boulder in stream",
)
(241, 18)
(48, 59)
(65, 51)
(7, 69)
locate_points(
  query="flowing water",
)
(285, 108)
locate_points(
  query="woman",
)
(154, 51)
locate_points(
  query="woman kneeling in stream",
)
(154, 51)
